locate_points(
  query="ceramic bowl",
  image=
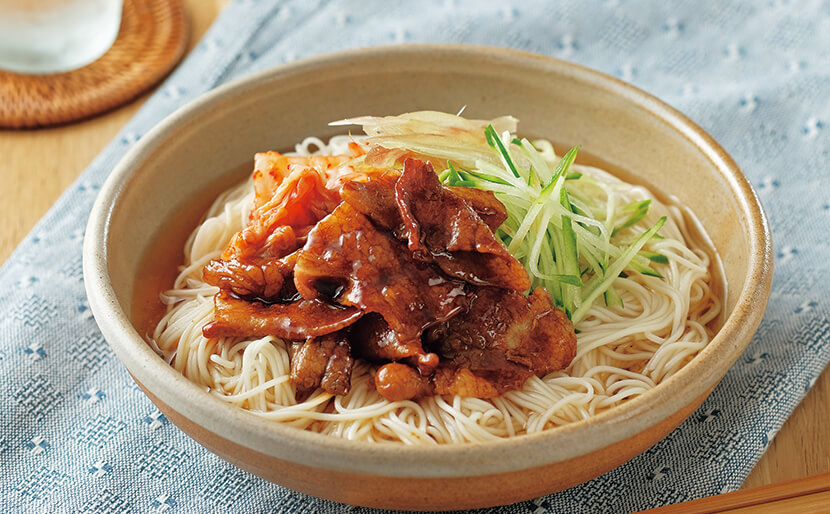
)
(566, 103)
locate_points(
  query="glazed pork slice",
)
(487, 206)
(451, 226)
(262, 279)
(296, 320)
(503, 339)
(441, 226)
(259, 273)
(375, 198)
(349, 261)
(504, 327)
(324, 362)
(479, 384)
(372, 339)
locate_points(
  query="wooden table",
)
(36, 167)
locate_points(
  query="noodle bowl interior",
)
(657, 311)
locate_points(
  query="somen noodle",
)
(625, 346)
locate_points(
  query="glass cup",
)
(52, 36)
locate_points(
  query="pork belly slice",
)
(441, 226)
(372, 339)
(503, 339)
(375, 198)
(347, 260)
(265, 280)
(297, 320)
(324, 362)
(452, 226)
(479, 384)
(487, 206)
(503, 327)
(260, 275)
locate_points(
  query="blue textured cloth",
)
(76, 434)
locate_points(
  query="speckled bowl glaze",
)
(561, 101)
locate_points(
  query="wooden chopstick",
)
(813, 491)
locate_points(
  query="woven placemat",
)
(152, 39)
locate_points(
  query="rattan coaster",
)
(152, 39)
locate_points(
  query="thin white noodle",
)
(622, 352)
